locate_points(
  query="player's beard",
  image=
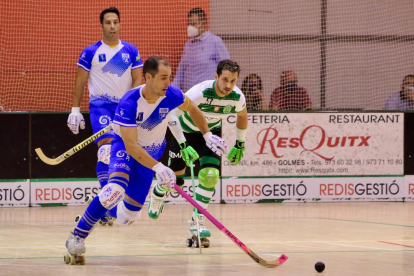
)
(223, 91)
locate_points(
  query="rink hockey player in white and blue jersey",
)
(111, 67)
(140, 125)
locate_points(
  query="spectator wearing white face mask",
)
(403, 99)
(202, 53)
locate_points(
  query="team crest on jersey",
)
(216, 108)
(163, 112)
(140, 116)
(102, 58)
(125, 57)
(83, 55)
(138, 58)
(227, 109)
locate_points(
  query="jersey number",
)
(209, 101)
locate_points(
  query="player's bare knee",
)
(181, 172)
(126, 216)
(104, 141)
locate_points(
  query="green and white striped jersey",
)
(214, 108)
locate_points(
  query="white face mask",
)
(192, 31)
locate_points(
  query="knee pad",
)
(125, 216)
(208, 177)
(111, 195)
(104, 152)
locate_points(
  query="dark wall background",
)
(14, 138)
(51, 134)
(409, 143)
(24, 132)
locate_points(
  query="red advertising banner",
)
(315, 189)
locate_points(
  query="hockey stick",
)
(196, 211)
(269, 264)
(72, 151)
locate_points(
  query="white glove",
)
(165, 176)
(215, 143)
(76, 120)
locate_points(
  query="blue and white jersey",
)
(150, 119)
(109, 69)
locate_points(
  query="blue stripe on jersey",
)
(156, 116)
(126, 111)
(156, 151)
(85, 59)
(119, 63)
(174, 97)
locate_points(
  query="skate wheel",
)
(196, 245)
(80, 260)
(66, 259)
(72, 259)
(205, 243)
(88, 199)
(102, 223)
(189, 242)
(110, 223)
(77, 218)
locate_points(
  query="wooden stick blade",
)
(73, 150)
(46, 159)
(269, 264)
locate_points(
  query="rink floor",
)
(353, 238)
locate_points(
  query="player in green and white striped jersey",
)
(217, 99)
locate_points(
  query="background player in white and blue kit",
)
(140, 125)
(112, 67)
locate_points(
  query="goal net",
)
(346, 54)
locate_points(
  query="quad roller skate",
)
(74, 259)
(76, 250)
(193, 241)
(204, 233)
(105, 220)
